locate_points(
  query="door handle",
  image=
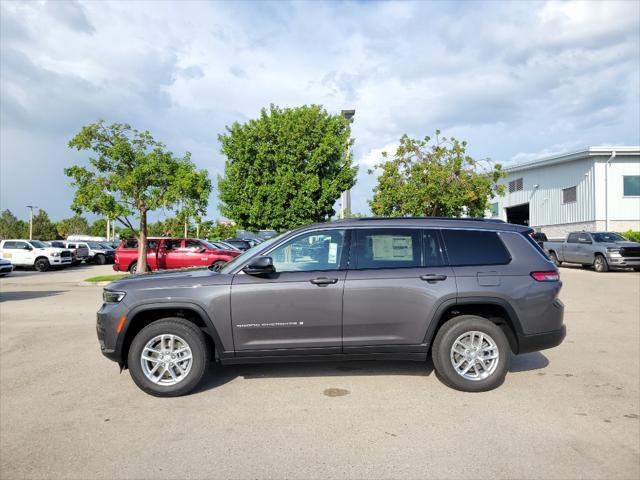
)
(322, 281)
(433, 277)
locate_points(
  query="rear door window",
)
(433, 256)
(475, 247)
(572, 238)
(388, 248)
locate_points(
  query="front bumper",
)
(107, 321)
(6, 269)
(60, 261)
(623, 262)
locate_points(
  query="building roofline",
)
(570, 156)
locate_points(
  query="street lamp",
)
(31, 207)
(345, 210)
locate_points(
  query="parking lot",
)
(66, 412)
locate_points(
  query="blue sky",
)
(517, 80)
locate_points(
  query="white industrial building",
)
(593, 189)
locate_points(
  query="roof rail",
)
(469, 219)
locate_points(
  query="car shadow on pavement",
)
(29, 295)
(527, 362)
(218, 375)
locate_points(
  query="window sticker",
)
(390, 247)
(333, 253)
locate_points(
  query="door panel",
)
(394, 306)
(286, 310)
(389, 296)
(299, 306)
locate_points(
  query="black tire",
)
(196, 341)
(217, 265)
(444, 341)
(99, 259)
(636, 269)
(600, 264)
(42, 264)
(554, 259)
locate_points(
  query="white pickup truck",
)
(34, 253)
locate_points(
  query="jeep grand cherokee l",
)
(468, 292)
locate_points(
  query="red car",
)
(166, 253)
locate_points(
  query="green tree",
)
(286, 168)
(131, 175)
(99, 228)
(217, 230)
(76, 225)
(438, 178)
(11, 227)
(43, 227)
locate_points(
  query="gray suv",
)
(467, 291)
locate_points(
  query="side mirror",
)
(260, 266)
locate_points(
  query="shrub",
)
(631, 235)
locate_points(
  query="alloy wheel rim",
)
(166, 359)
(474, 355)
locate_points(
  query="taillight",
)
(545, 276)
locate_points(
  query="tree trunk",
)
(142, 243)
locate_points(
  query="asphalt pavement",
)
(67, 412)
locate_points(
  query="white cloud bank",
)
(513, 78)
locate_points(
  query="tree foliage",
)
(434, 178)
(43, 227)
(76, 225)
(217, 230)
(12, 227)
(130, 175)
(286, 168)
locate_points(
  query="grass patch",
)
(106, 278)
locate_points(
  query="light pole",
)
(31, 207)
(345, 210)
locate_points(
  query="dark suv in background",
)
(469, 292)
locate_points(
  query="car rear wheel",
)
(600, 264)
(133, 268)
(100, 259)
(168, 357)
(216, 266)
(471, 354)
(554, 259)
(42, 265)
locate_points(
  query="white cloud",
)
(375, 155)
(510, 77)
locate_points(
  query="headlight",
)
(109, 296)
(55, 254)
(613, 250)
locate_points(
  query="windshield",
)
(95, 245)
(107, 246)
(253, 250)
(209, 245)
(607, 237)
(38, 244)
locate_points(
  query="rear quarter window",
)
(475, 247)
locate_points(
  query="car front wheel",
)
(42, 265)
(168, 357)
(600, 264)
(471, 354)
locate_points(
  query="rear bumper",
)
(541, 341)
